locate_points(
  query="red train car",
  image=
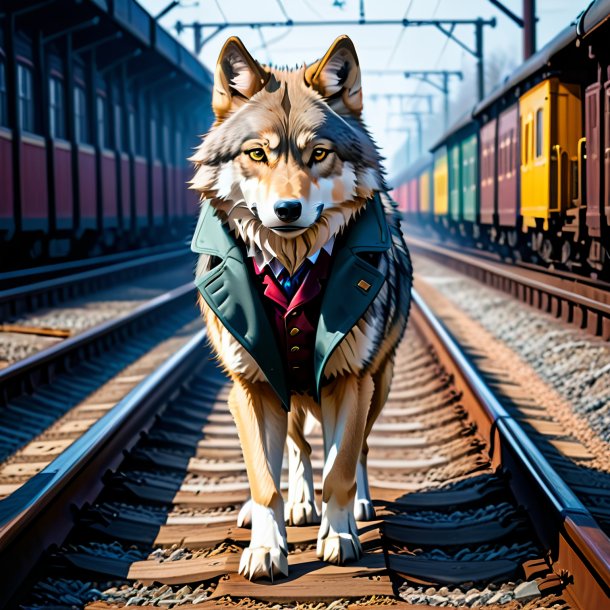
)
(95, 129)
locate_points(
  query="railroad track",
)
(142, 507)
(51, 398)
(30, 289)
(585, 304)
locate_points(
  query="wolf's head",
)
(288, 162)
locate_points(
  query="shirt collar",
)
(277, 267)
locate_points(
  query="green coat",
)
(230, 292)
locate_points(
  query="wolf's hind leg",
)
(345, 404)
(301, 506)
(261, 424)
(363, 505)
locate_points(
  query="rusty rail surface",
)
(40, 368)
(42, 512)
(578, 552)
(29, 289)
(579, 549)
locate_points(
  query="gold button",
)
(294, 348)
(296, 368)
(294, 331)
(294, 313)
(364, 285)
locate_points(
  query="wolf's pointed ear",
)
(238, 77)
(337, 77)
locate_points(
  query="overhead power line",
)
(446, 26)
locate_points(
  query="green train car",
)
(460, 190)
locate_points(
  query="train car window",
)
(26, 97)
(131, 125)
(179, 160)
(118, 127)
(81, 125)
(57, 122)
(103, 133)
(539, 131)
(154, 140)
(3, 100)
(165, 142)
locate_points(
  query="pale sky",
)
(379, 47)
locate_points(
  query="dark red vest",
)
(296, 319)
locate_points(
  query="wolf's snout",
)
(287, 210)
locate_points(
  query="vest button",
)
(294, 348)
(294, 313)
(294, 331)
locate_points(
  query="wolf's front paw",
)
(263, 562)
(301, 513)
(338, 540)
(266, 557)
(339, 548)
(363, 510)
(244, 518)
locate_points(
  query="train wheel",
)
(546, 251)
(536, 242)
(37, 249)
(566, 252)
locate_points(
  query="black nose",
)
(287, 210)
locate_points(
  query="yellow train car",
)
(424, 192)
(441, 182)
(551, 127)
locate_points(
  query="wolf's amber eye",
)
(257, 154)
(319, 154)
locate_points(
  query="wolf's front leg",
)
(261, 424)
(345, 404)
(301, 506)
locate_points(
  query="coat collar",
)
(352, 285)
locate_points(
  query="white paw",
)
(244, 518)
(301, 513)
(363, 510)
(263, 562)
(339, 548)
(266, 557)
(338, 540)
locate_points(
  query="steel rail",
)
(598, 323)
(25, 298)
(579, 549)
(42, 512)
(41, 367)
(18, 277)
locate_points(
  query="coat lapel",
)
(230, 293)
(353, 284)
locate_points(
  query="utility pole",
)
(439, 79)
(527, 24)
(479, 58)
(417, 115)
(529, 28)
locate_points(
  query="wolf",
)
(304, 284)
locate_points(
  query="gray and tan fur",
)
(287, 117)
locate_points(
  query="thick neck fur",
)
(291, 253)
